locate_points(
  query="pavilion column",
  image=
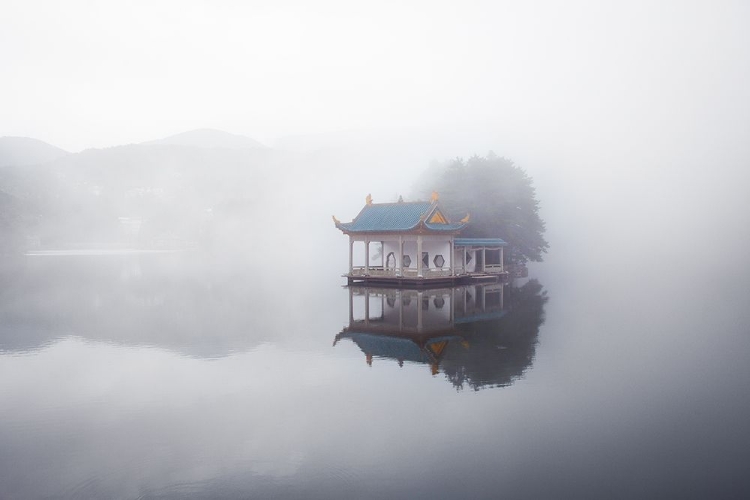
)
(351, 254)
(502, 266)
(382, 255)
(401, 253)
(367, 256)
(484, 258)
(419, 255)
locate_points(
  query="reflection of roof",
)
(401, 216)
(404, 349)
(479, 242)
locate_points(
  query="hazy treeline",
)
(135, 196)
(225, 198)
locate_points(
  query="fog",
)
(215, 290)
(630, 117)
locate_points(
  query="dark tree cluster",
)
(500, 198)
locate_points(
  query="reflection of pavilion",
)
(417, 325)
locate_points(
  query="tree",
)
(500, 198)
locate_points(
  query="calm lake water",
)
(183, 376)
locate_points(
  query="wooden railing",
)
(407, 272)
(358, 271)
(411, 272)
(379, 271)
(436, 273)
(493, 268)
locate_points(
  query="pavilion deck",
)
(430, 277)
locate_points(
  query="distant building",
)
(418, 245)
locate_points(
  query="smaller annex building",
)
(417, 244)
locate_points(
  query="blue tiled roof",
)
(479, 242)
(388, 217)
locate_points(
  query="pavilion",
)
(418, 246)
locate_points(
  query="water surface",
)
(185, 375)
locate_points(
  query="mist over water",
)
(212, 372)
(173, 320)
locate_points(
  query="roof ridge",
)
(400, 203)
(395, 216)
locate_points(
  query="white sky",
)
(83, 74)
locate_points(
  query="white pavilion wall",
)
(432, 247)
(410, 249)
(472, 265)
(392, 246)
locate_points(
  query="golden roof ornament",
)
(434, 197)
(335, 220)
(368, 200)
(466, 219)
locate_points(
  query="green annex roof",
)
(396, 217)
(479, 242)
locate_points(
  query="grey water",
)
(184, 375)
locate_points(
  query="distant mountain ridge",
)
(196, 188)
(209, 138)
(21, 151)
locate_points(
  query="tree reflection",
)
(479, 336)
